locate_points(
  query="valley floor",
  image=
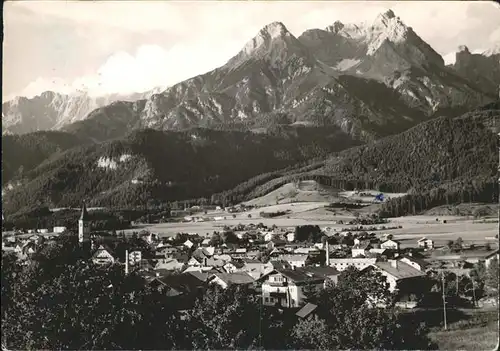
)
(308, 213)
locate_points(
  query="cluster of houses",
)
(268, 258)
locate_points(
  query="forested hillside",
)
(22, 153)
(156, 166)
(451, 153)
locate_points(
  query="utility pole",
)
(444, 302)
(126, 262)
(474, 292)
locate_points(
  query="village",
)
(281, 263)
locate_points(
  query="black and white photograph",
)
(250, 175)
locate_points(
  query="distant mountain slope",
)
(481, 69)
(320, 78)
(155, 166)
(52, 111)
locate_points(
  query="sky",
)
(134, 46)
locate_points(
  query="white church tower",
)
(84, 226)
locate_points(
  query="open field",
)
(408, 235)
(478, 332)
(414, 227)
(303, 191)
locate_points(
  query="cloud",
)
(133, 46)
(151, 66)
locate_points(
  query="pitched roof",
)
(419, 261)
(321, 271)
(181, 257)
(279, 264)
(353, 260)
(403, 270)
(185, 282)
(102, 247)
(390, 241)
(379, 251)
(491, 254)
(251, 261)
(199, 254)
(364, 245)
(215, 262)
(237, 263)
(294, 258)
(202, 276)
(299, 275)
(209, 251)
(235, 278)
(306, 310)
(278, 241)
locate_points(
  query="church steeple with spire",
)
(84, 226)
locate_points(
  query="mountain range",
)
(282, 102)
(371, 80)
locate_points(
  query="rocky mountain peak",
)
(385, 18)
(336, 27)
(387, 27)
(464, 49)
(272, 31)
(47, 95)
(271, 41)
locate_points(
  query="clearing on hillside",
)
(302, 191)
(312, 191)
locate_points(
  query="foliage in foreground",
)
(61, 301)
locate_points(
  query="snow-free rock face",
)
(390, 52)
(275, 44)
(482, 70)
(361, 77)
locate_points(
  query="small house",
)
(396, 272)
(425, 243)
(168, 264)
(103, 256)
(276, 243)
(390, 245)
(295, 261)
(361, 249)
(343, 263)
(205, 242)
(415, 262)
